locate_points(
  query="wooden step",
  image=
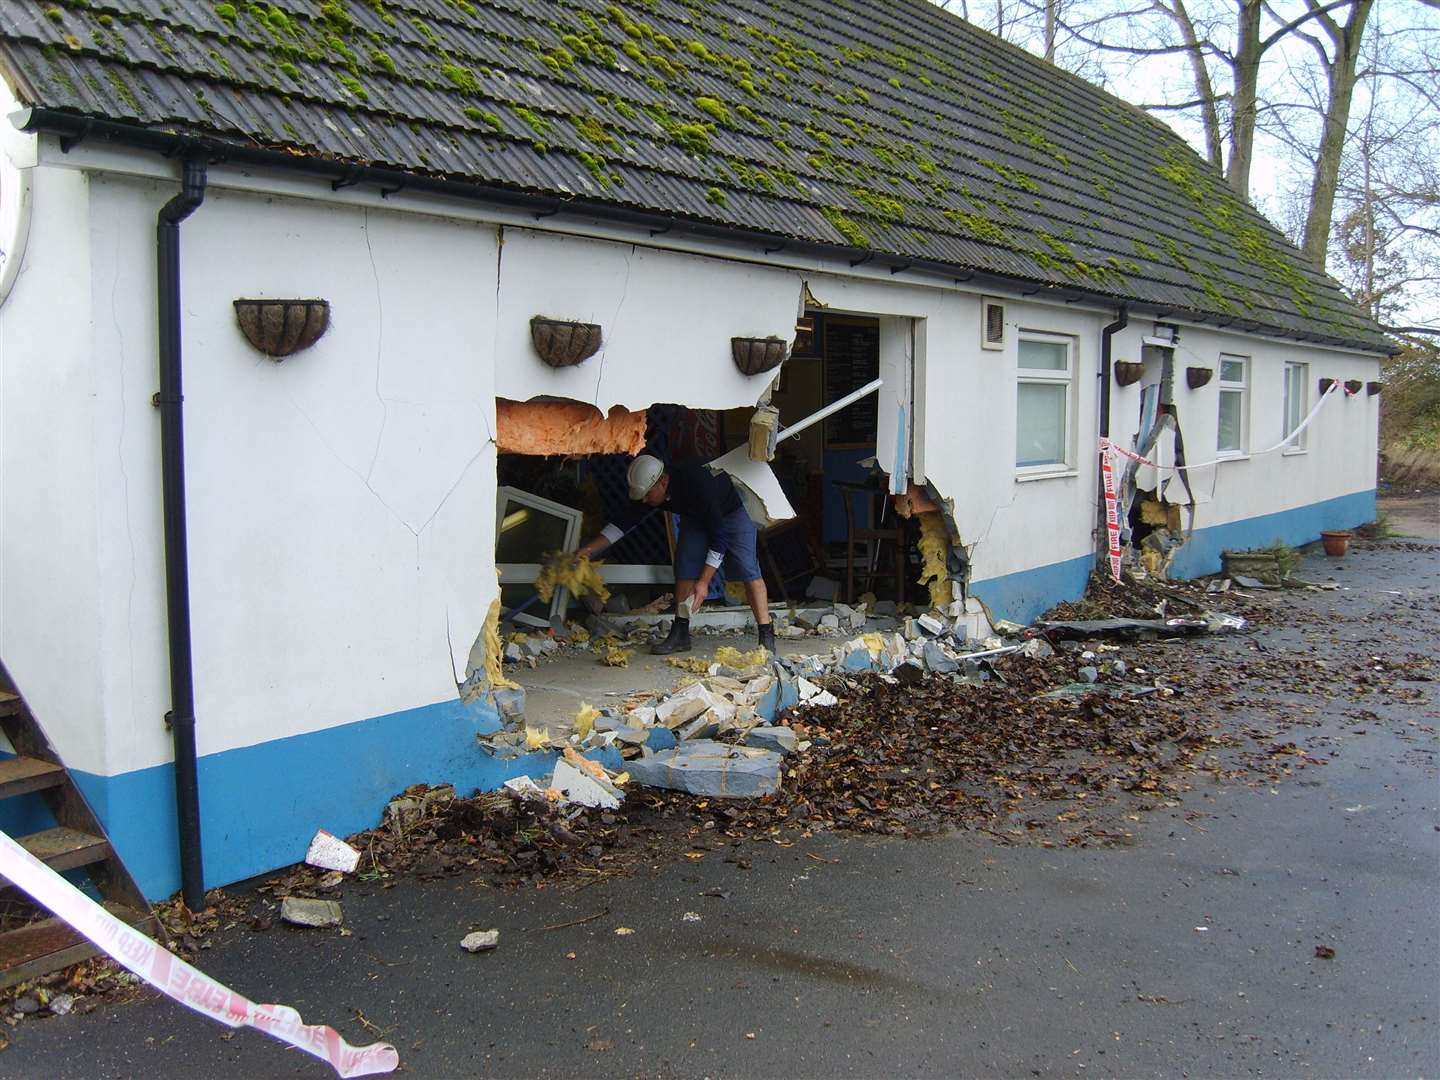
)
(22, 775)
(51, 944)
(61, 848)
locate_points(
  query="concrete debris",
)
(480, 940)
(61, 1004)
(704, 767)
(1133, 629)
(578, 787)
(329, 852)
(782, 740)
(1037, 649)
(302, 911)
(931, 625)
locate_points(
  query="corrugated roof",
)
(887, 125)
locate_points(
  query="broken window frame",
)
(526, 573)
(1295, 399)
(1039, 376)
(1233, 389)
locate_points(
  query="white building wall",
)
(341, 502)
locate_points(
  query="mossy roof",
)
(884, 125)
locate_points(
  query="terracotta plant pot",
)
(1127, 372)
(1336, 541)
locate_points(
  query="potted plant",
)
(1336, 541)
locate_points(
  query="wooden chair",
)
(874, 541)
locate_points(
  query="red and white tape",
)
(1112, 508)
(176, 979)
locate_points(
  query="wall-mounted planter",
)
(564, 344)
(1373, 388)
(755, 356)
(281, 328)
(1353, 385)
(1325, 385)
(1127, 372)
(1197, 377)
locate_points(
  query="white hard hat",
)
(644, 471)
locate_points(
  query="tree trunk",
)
(1242, 105)
(1204, 87)
(1337, 118)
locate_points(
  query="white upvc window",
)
(1232, 432)
(1044, 405)
(1297, 382)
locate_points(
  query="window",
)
(1042, 413)
(1231, 437)
(1297, 377)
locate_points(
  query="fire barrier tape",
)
(1112, 508)
(176, 979)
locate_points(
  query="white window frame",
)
(1242, 387)
(1303, 383)
(1042, 376)
(524, 573)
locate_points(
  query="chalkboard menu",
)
(852, 359)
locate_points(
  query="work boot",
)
(678, 640)
(767, 636)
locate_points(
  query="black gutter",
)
(177, 559)
(72, 129)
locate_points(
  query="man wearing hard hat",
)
(715, 530)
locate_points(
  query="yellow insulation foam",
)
(494, 650)
(729, 656)
(935, 557)
(580, 576)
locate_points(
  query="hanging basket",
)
(1127, 372)
(1197, 377)
(564, 344)
(1325, 385)
(1353, 385)
(755, 356)
(1373, 388)
(281, 328)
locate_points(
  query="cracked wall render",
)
(667, 321)
(341, 503)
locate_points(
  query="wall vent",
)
(993, 332)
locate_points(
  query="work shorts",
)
(737, 536)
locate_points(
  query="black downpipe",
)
(1122, 320)
(177, 559)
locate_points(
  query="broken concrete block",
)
(480, 940)
(704, 726)
(1037, 649)
(584, 789)
(514, 652)
(402, 813)
(780, 697)
(632, 736)
(829, 622)
(790, 631)
(329, 852)
(1006, 628)
(780, 739)
(525, 788)
(1088, 674)
(510, 703)
(660, 738)
(938, 660)
(909, 629)
(931, 625)
(710, 768)
(302, 911)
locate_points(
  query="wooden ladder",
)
(40, 945)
